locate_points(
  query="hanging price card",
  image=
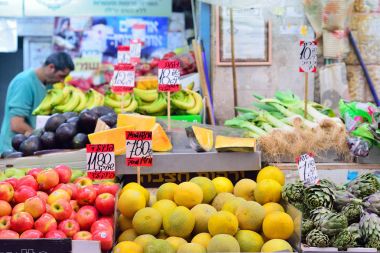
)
(123, 79)
(308, 56)
(139, 31)
(135, 51)
(123, 54)
(307, 169)
(169, 75)
(139, 148)
(100, 161)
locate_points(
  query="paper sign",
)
(123, 54)
(139, 148)
(135, 51)
(36, 246)
(123, 79)
(307, 169)
(308, 56)
(100, 160)
(169, 76)
(139, 31)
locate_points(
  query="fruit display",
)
(344, 216)
(204, 215)
(56, 203)
(275, 121)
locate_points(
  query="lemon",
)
(208, 188)
(202, 239)
(276, 245)
(176, 242)
(245, 188)
(271, 172)
(147, 221)
(188, 194)
(271, 207)
(278, 225)
(267, 191)
(130, 202)
(164, 206)
(223, 222)
(166, 191)
(202, 214)
(249, 241)
(127, 235)
(143, 240)
(223, 184)
(233, 204)
(136, 186)
(130, 247)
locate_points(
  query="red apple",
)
(69, 227)
(6, 191)
(27, 181)
(18, 208)
(58, 194)
(45, 223)
(64, 173)
(47, 179)
(64, 187)
(34, 172)
(61, 210)
(43, 195)
(13, 181)
(105, 203)
(21, 222)
(74, 190)
(31, 234)
(73, 215)
(8, 234)
(74, 204)
(110, 220)
(83, 235)
(108, 187)
(83, 182)
(5, 222)
(105, 238)
(23, 193)
(5, 208)
(86, 196)
(86, 216)
(35, 206)
(101, 225)
(55, 234)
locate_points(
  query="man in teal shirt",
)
(25, 93)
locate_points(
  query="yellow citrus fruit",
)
(272, 207)
(267, 191)
(208, 188)
(249, 241)
(127, 235)
(188, 194)
(223, 243)
(276, 245)
(223, 222)
(166, 191)
(223, 184)
(221, 199)
(245, 188)
(130, 247)
(232, 205)
(179, 223)
(176, 242)
(147, 221)
(164, 206)
(191, 248)
(250, 215)
(143, 240)
(202, 214)
(271, 172)
(158, 246)
(136, 186)
(278, 225)
(124, 223)
(202, 239)
(130, 202)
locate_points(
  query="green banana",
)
(146, 95)
(72, 102)
(118, 97)
(44, 106)
(198, 103)
(186, 103)
(57, 96)
(108, 101)
(131, 108)
(158, 105)
(83, 102)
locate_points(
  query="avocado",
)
(48, 140)
(109, 120)
(102, 110)
(38, 132)
(87, 121)
(30, 145)
(65, 133)
(17, 140)
(69, 115)
(80, 140)
(54, 122)
(73, 121)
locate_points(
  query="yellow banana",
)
(146, 95)
(117, 104)
(44, 106)
(131, 108)
(158, 105)
(83, 101)
(183, 102)
(71, 104)
(198, 103)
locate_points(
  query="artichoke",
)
(317, 196)
(330, 184)
(293, 193)
(372, 203)
(355, 231)
(369, 226)
(363, 186)
(343, 198)
(332, 224)
(307, 226)
(317, 214)
(373, 242)
(353, 212)
(302, 208)
(344, 240)
(317, 239)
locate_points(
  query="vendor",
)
(25, 93)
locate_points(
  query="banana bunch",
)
(68, 99)
(120, 102)
(187, 102)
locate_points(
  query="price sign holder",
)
(123, 54)
(307, 169)
(123, 81)
(168, 80)
(308, 63)
(100, 161)
(135, 51)
(36, 246)
(139, 150)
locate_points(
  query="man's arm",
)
(19, 125)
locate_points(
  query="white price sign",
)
(307, 169)
(135, 51)
(139, 148)
(169, 75)
(123, 54)
(100, 161)
(123, 79)
(308, 56)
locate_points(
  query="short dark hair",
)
(60, 60)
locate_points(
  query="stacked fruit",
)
(339, 216)
(204, 214)
(44, 204)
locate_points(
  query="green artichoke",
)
(302, 208)
(372, 203)
(353, 212)
(332, 224)
(293, 193)
(363, 186)
(343, 198)
(369, 226)
(317, 214)
(317, 239)
(317, 196)
(344, 240)
(307, 226)
(330, 184)
(355, 231)
(373, 242)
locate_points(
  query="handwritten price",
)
(307, 169)
(139, 148)
(123, 79)
(100, 161)
(308, 56)
(169, 76)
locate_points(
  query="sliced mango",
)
(139, 122)
(160, 140)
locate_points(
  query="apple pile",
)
(45, 204)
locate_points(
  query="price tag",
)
(139, 31)
(135, 51)
(308, 56)
(169, 75)
(123, 54)
(139, 148)
(307, 169)
(36, 246)
(123, 79)
(100, 161)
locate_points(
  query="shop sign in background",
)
(11, 8)
(162, 8)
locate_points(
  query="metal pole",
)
(233, 58)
